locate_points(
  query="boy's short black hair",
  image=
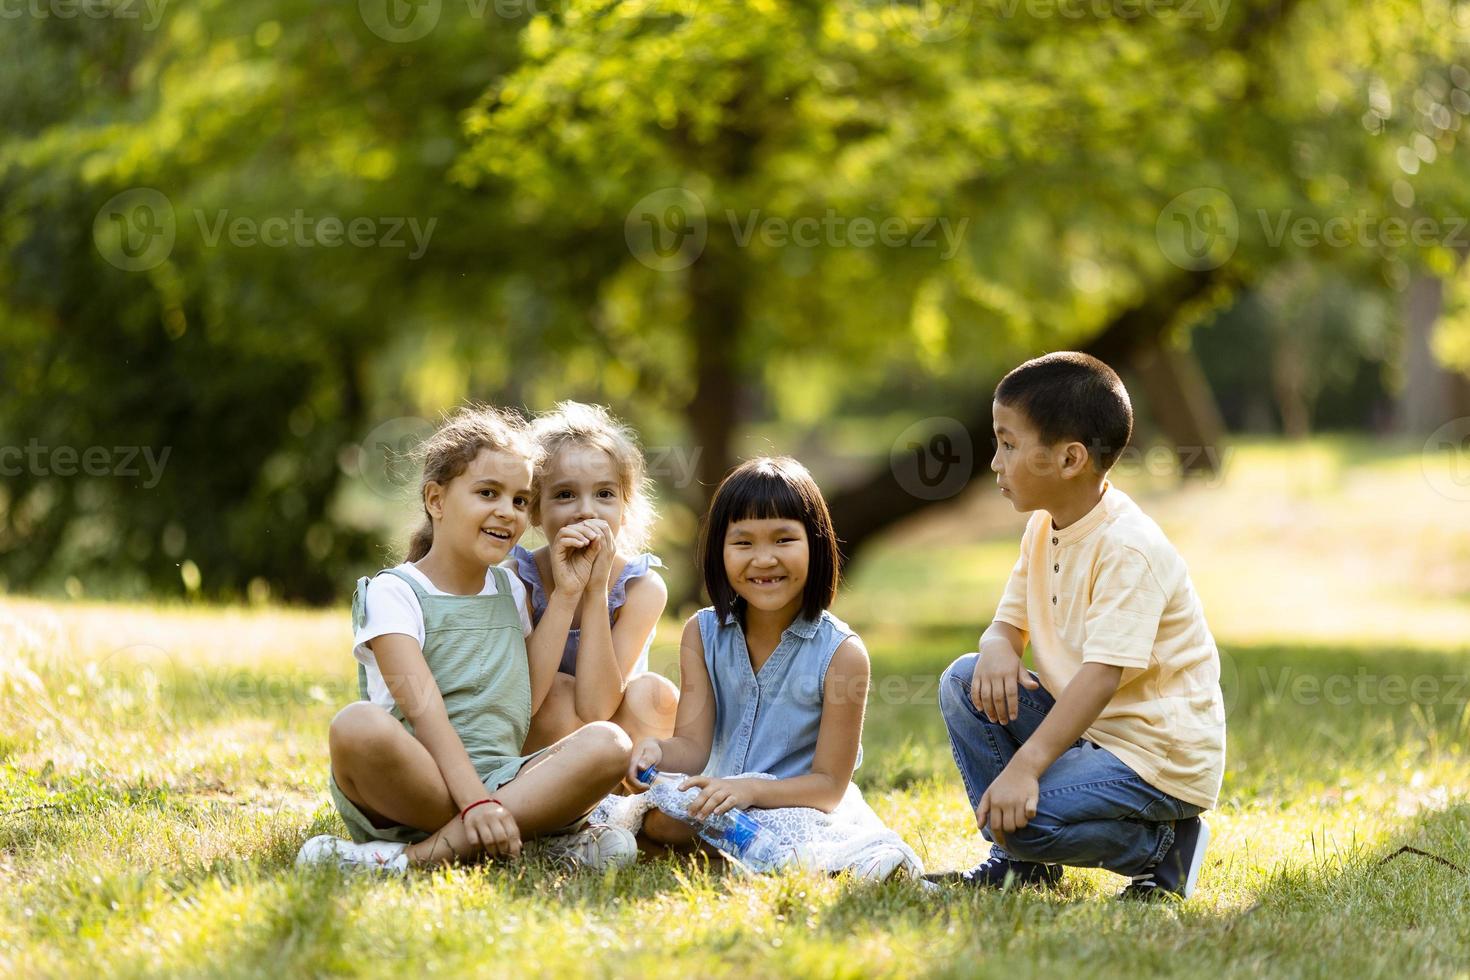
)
(766, 488)
(1070, 396)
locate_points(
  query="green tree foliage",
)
(1034, 148)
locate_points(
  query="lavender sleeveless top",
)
(617, 594)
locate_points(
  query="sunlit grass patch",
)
(160, 766)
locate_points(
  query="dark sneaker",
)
(1001, 873)
(1178, 873)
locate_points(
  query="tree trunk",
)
(1428, 388)
(1182, 404)
(877, 502)
(717, 299)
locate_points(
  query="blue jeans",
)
(1092, 812)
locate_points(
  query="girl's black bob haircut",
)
(767, 488)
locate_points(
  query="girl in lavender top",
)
(592, 483)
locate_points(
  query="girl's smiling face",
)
(766, 562)
(482, 512)
(580, 483)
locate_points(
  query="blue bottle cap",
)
(646, 775)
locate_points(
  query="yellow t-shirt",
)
(1111, 589)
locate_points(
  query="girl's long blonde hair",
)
(472, 429)
(594, 427)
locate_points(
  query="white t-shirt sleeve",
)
(523, 605)
(389, 607)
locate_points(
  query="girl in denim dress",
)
(771, 682)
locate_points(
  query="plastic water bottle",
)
(734, 832)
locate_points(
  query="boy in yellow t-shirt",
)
(1107, 754)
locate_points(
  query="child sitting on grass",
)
(773, 687)
(1107, 754)
(592, 479)
(428, 767)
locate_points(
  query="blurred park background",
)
(251, 250)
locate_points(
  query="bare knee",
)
(358, 730)
(653, 697)
(605, 747)
(650, 703)
(661, 828)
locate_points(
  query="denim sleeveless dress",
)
(617, 595)
(768, 721)
(476, 650)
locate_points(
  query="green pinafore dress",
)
(476, 650)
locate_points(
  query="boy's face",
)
(1030, 473)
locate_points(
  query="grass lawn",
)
(159, 767)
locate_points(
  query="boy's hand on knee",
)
(995, 687)
(1009, 803)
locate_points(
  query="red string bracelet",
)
(477, 803)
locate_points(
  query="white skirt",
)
(850, 838)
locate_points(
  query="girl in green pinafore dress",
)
(428, 767)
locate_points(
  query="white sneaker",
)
(596, 846)
(375, 856)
